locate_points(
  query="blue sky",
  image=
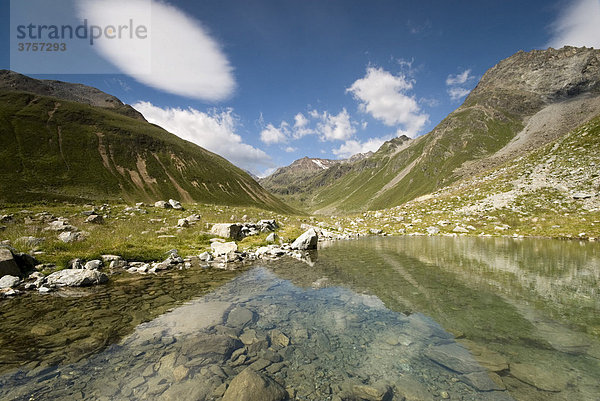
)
(266, 82)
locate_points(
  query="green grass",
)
(86, 153)
(136, 238)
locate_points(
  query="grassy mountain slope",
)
(524, 102)
(54, 149)
(552, 191)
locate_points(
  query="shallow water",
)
(467, 318)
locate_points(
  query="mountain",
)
(62, 141)
(293, 183)
(291, 179)
(523, 103)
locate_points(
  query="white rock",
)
(223, 248)
(70, 236)
(228, 230)
(175, 204)
(308, 240)
(163, 205)
(9, 281)
(93, 264)
(433, 230)
(76, 278)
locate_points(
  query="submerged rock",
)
(454, 357)
(239, 317)
(377, 392)
(254, 386)
(545, 379)
(76, 278)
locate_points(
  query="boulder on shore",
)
(228, 230)
(76, 278)
(8, 265)
(308, 240)
(223, 248)
(9, 281)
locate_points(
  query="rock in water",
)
(8, 265)
(378, 392)
(253, 386)
(227, 230)
(454, 357)
(76, 278)
(306, 241)
(239, 317)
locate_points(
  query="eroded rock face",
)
(552, 74)
(253, 386)
(76, 278)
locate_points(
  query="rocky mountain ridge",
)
(523, 103)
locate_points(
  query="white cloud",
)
(214, 131)
(577, 25)
(334, 127)
(300, 121)
(182, 58)
(459, 79)
(272, 134)
(384, 96)
(457, 93)
(352, 147)
(456, 84)
(301, 126)
(290, 149)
